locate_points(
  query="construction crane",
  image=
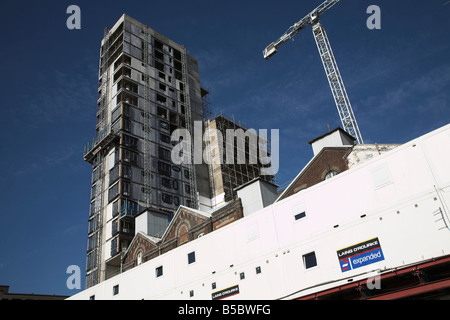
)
(329, 62)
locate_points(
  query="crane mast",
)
(341, 99)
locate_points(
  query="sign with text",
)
(228, 292)
(360, 254)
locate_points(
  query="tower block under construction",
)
(148, 87)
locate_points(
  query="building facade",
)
(148, 87)
(379, 230)
(334, 153)
(225, 175)
(187, 225)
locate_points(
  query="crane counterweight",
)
(269, 51)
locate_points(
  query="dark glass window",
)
(159, 271)
(191, 257)
(115, 290)
(164, 138)
(164, 168)
(166, 182)
(113, 174)
(164, 154)
(309, 260)
(113, 192)
(130, 141)
(167, 198)
(300, 215)
(164, 125)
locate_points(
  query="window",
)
(242, 276)
(126, 189)
(126, 171)
(164, 125)
(158, 44)
(330, 174)
(92, 297)
(129, 208)
(161, 112)
(161, 99)
(115, 209)
(113, 192)
(191, 293)
(177, 54)
(164, 154)
(191, 257)
(300, 216)
(130, 156)
(115, 290)
(114, 228)
(164, 168)
(175, 184)
(166, 182)
(213, 285)
(176, 200)
(159, 66)
(309, 260)
(115, 115)
(139, 258)
(129, 141)
(113, 174)
(258, 270)
(167, 198)
(159, 271)
(126, 125)
(159, 55)
(114, 249)
(165, 138)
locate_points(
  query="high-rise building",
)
(245, 164)
(148, 87)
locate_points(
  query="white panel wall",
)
(401, 198)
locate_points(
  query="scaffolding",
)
(147, 116)
(225, 175)
(94, 276)
(191, 165)
(206, 104)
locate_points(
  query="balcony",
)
(103, 139)
(130, 208)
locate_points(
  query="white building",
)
(383, 216)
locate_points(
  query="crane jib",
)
(271, 49)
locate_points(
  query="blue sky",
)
(397, 78)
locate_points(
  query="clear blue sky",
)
(397, 78)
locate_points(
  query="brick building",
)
(330, 151)
(334, 153)
(188, 224)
